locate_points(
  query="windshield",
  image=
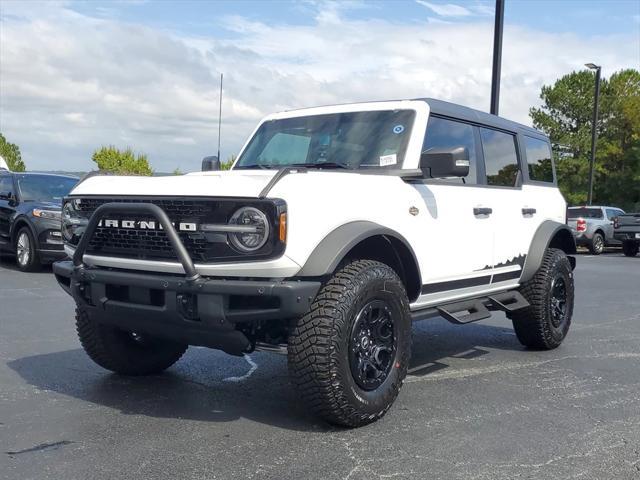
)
(584, 213)
(44, 188)
(353, 140)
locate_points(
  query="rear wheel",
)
(596, 247)
(545, 322)
(630, 248)
(349, 354)
(26, 253)
(126, 353)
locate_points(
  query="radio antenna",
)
(220, 119)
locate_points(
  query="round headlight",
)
(254, 232)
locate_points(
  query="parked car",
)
(627, 231)
(592, 226)
(336, 227)
(30, 205)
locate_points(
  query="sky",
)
(76, 75)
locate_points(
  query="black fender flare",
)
(548, 232)
(328, 254)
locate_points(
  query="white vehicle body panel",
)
(202, 184)
(450, 242)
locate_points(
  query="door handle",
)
(529, 211)
(482, 211)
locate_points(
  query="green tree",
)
(11, 154)
(124, 162)
(227, 165)
(566, 117)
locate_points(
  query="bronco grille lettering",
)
(146, 225)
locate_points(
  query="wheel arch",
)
(17, 226)
(549, 234)
(366, 240)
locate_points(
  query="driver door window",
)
(6, 185)
(444, 133)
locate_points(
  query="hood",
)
(242, 183)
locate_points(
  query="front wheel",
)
(349, 354)
(545, 322)
(630, 248)
(26, 253)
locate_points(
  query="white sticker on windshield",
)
(386, 160)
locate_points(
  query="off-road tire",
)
(33, 262)
(319, 345)
(596, 246)
(534, 324)
(122, 352)
(630, 248)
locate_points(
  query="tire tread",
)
(314, 346)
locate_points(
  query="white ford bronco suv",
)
(335, 229)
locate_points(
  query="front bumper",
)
(51, 254)
(204, 312)
(190, 308)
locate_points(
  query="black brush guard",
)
(189, 309)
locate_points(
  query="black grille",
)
(145, 243)
(154, 244)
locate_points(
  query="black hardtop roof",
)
(448, 109)
(453, 110)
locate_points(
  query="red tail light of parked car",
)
(581, 225)
(616, 222)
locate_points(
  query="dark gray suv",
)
(30, 205)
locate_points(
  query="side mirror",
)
(5, 196)
(210, 163)
(445, 162)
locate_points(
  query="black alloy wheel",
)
(373, 345)
(558, 302)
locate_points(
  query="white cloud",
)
(446, 9)
(458, 11)
(70, 83)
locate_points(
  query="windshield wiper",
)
(255, 165)
(320, 165)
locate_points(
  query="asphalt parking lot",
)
(476, 405)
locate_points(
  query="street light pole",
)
(497, 57)
(594, 124)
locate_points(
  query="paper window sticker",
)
(386, 160)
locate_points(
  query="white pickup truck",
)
(335, 229)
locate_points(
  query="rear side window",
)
(500, 157)
(613, 213)
(539, 160)
(584, 212)
(444, 133)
